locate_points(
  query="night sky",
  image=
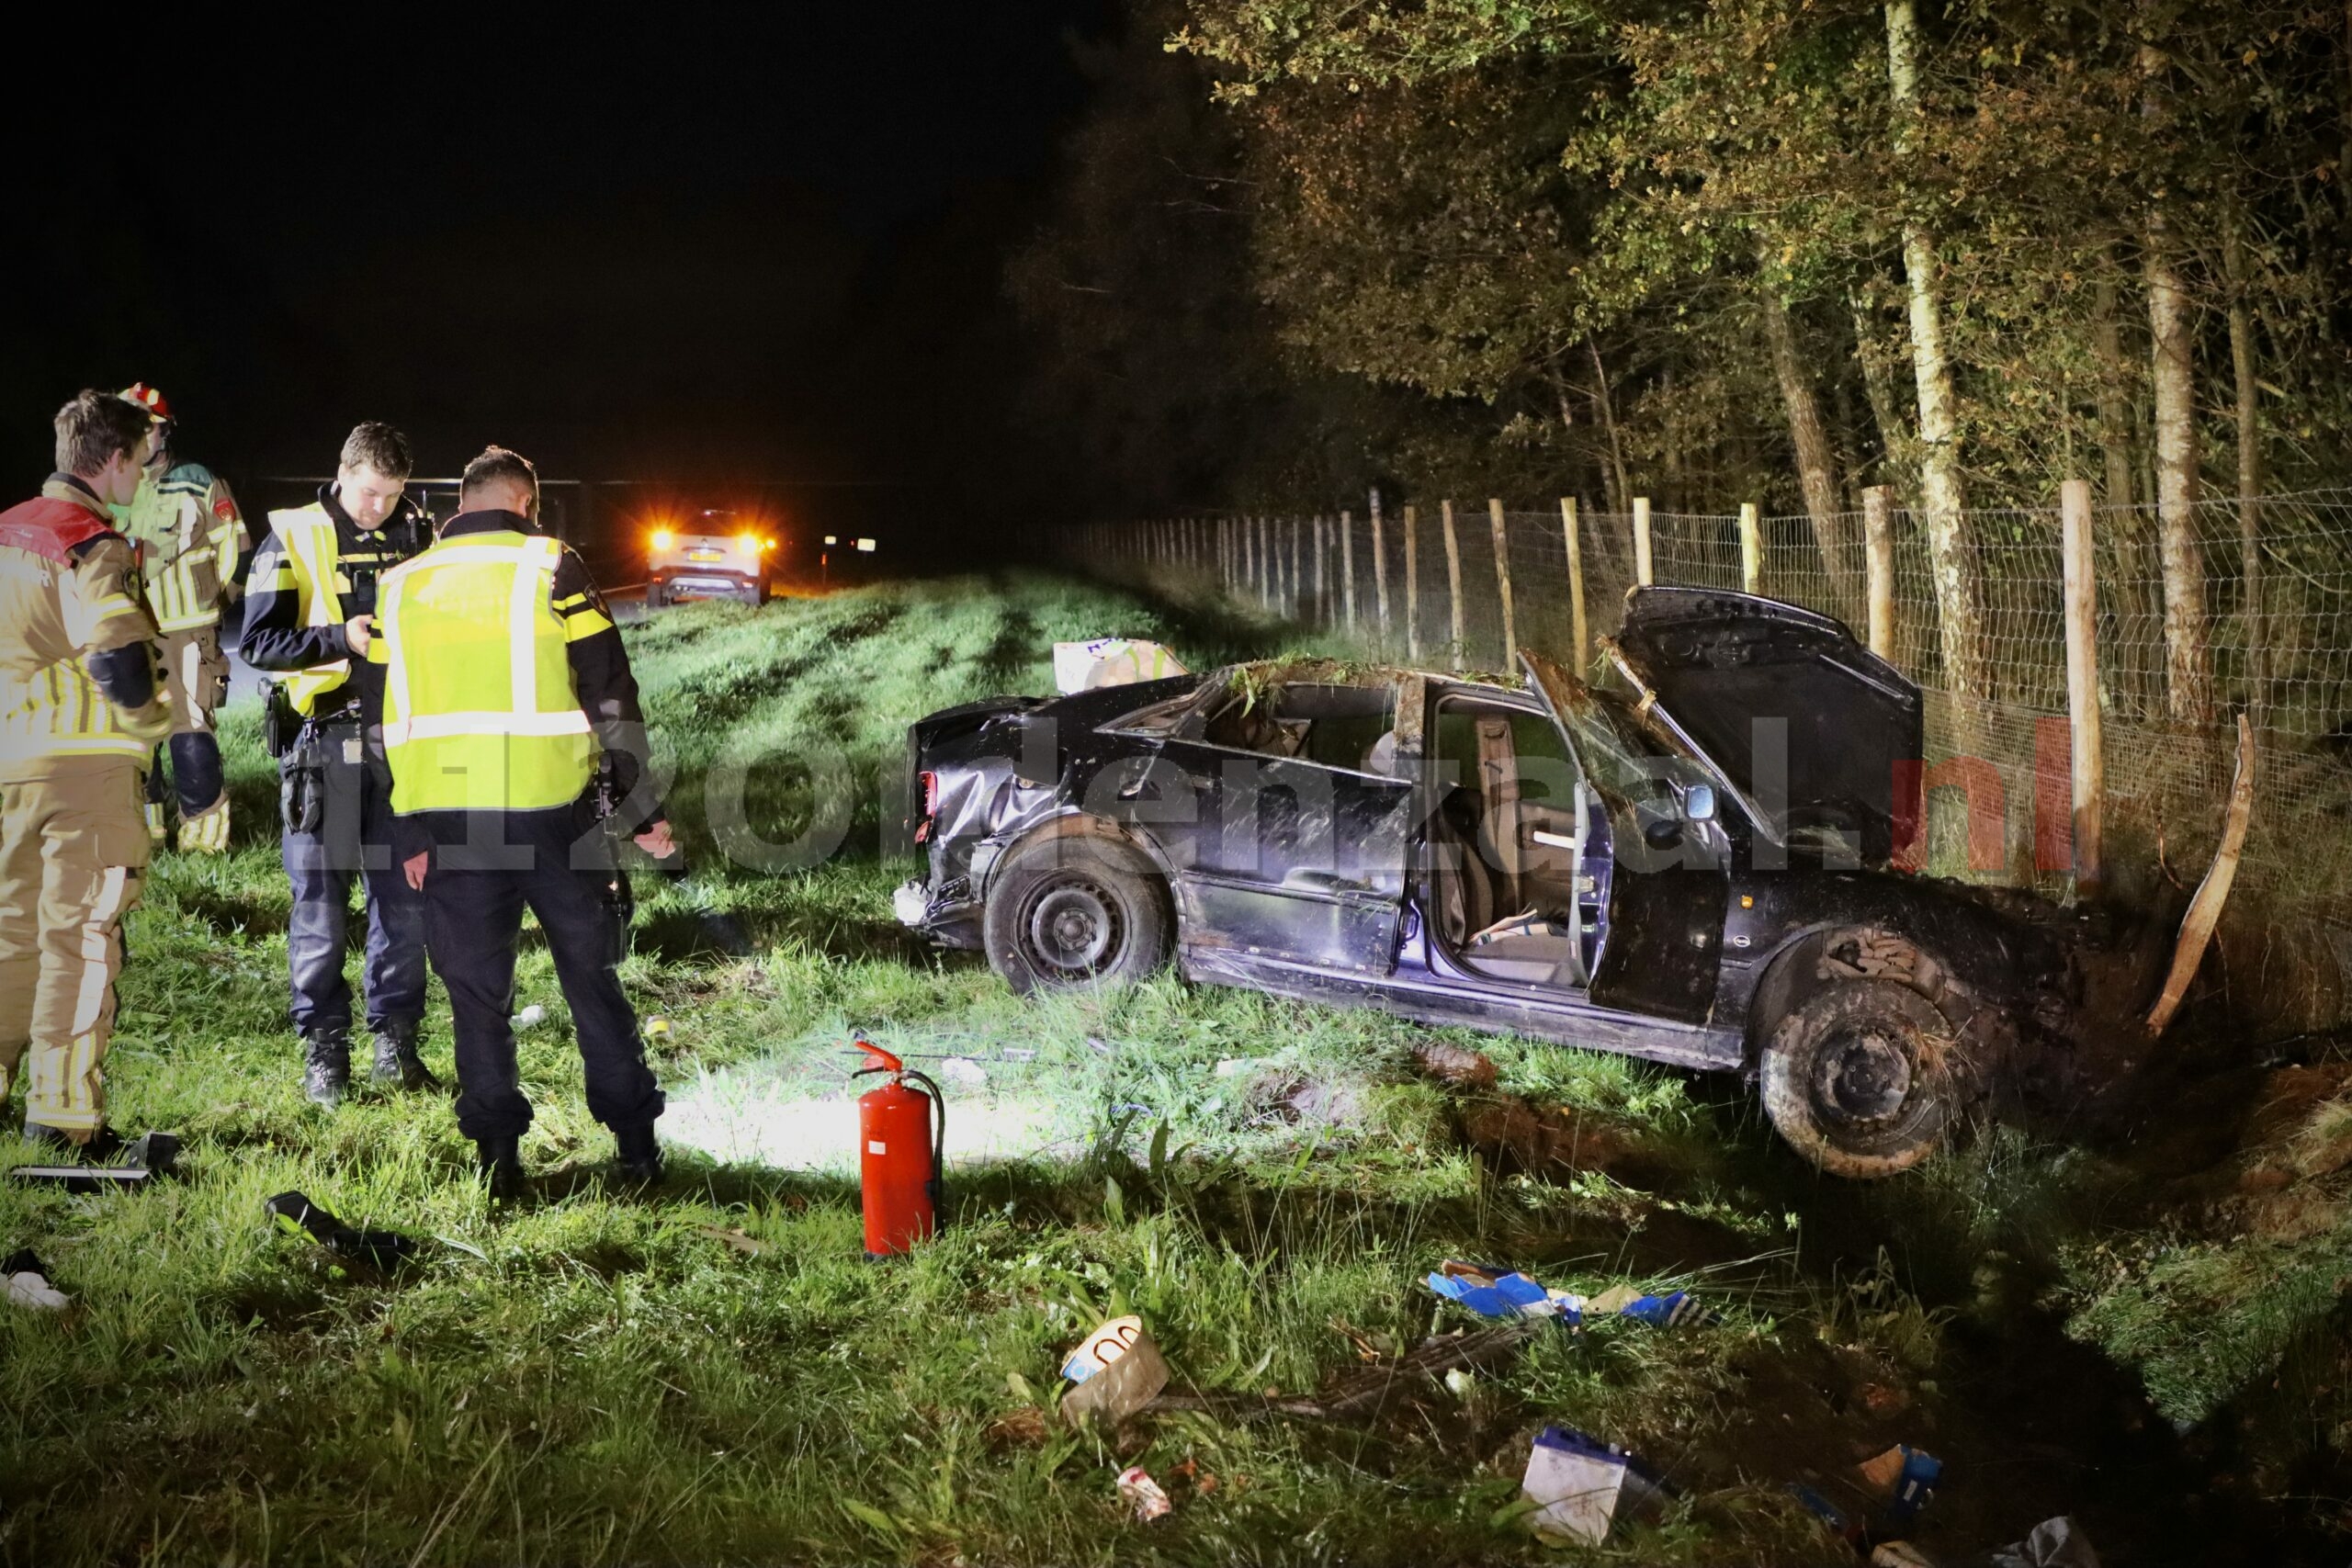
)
(654, 242)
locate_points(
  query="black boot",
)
(397, 1064)
(326, 1066)
(502, 1167)
(638, 1159)
(101, 1147)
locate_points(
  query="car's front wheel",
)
(1865, 1077)
(1075, 910)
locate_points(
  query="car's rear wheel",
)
(1865, 1077)
(1076, 911)
(657, 595)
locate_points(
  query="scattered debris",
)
(380, 1250)
(1904, 1477)
(148, 1155)
(1671, 1311)
(1143, 1493)
(656, 1027)
(1883, 1401)
(1582, 1486)
(1490, 1292)
(24, 1280)
(963, 1072)
(530, 1017)
(1898, 1554)
(1456, 1065)
(1368, 1391)
(1117, 1371)
(2052, 1544)
(748, 1246)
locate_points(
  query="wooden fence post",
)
(1454, 582)
(2082, 683)
(1348, 567)
(1412, 586)
(1379, 568)
(1502, 580)
(1878, 559)
(1576, 579)
(1294, 568)
(1751, 549)
(1322, 603)
(1642, 572)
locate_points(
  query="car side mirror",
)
(1699, 803)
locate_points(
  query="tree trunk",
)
(1609, 427)
(1943, 514)
(1878, 388)
(1816, 459)
(2135, 604)
(2189, 682)
(2242, 363)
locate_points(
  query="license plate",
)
(705, 553)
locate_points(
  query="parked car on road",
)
(1692, 863)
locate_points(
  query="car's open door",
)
(1663, 924)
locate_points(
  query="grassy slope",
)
(593, 1380)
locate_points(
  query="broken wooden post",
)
(2205, 909)
(1379, 570)
(1412, 586)
(1575, 578)
(1642, 572)
(1348, 567)
(1502, 580)
(1878, 559)
(1751, 549)
(2082, 681)
(1452, 580)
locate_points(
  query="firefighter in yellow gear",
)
(81, 710)
(189, 536)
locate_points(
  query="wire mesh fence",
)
(2266, 631)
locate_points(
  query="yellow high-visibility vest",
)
(480, 713)
(308, 533)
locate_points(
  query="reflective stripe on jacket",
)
(189, 533)
(308, 533)
(69, 588)
(480, 712)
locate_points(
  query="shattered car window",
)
(1617, 757)
(1333, 726)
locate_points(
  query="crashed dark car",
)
(1693, 862)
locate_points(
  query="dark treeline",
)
(1771, 250)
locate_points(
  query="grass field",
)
(594, 1377)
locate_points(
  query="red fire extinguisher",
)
(900, 1161)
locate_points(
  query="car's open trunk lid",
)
(1724, 671)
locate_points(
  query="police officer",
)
(190, 536)
(80, 712)
(508, 690)
(313, 588)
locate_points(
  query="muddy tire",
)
(657, 596)
(1075, 911)
(1865, 1077)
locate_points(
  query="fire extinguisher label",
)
(875, 1147)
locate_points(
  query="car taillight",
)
(930, 782)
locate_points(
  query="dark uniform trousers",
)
(354, 841)
(474, 899)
